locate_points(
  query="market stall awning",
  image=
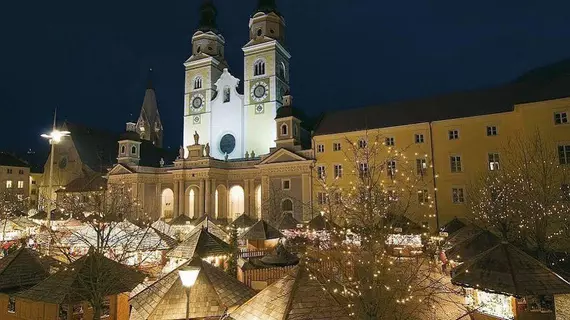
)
(298, 295)
(213, 293)
(201, 243)
(508, 270)
(74, 283)
(261, 230)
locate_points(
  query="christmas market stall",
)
(57, 218)
(213, 226)
(181, 226)
(242, 223)
(16, 228)
(471, 247)
(261, 236)
(404, 237)
(201, 243)
(298, 295)
(506, 283)
(63, 294)
(452, 227)
(211, 296)
(164, 227)
(288, 224)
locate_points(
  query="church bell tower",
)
(203, 69)
(266, 76)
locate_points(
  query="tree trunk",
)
(96, 312)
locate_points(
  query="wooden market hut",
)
(404, 236)
(471, 247)
(203, 244)
(288, 222)
(461, 235)
(213, 294)
(453, 226)
(205, 222)
(261, 236)
(298, 295)
(243, 222)
(62, 295)
(320, 223)
(506, 283)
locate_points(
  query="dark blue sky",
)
(90, 58)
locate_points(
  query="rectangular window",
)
(362, 143)
(458, 195)
(453, 134)
(9, 171)
(455, 163)
(20, 184)
(423, 196)
(421, 167)
(8, 184)
(363, 168)
(286, 184)
(493, 161)
(34, 182)
(491, 131)
(391, 168)
(338, 170)
(564, 154)
(419, 138)
(390, 141)
(20, 171)
(321, 173)
(320, 148)
(560, 118)
(565, 188)
(322, 198)
(336, 146)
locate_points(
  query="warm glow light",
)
(55, 136)
(188, 275)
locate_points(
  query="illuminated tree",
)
(526, 199)
(11, 205)
(381, 184)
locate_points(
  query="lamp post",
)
(54, 137)
(188, 276)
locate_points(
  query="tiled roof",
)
(287, 222)
(461, 235)
(92, 182)
(452, 226)
(400, 221)
(10, 160)
(211, 227)
(531, 88)
(469, 248)
(21, 269)
(243, 221)
(201, 243)
(164, 227)
(506, 269)
(71, 285)
(321, 223)
(213, 293)
(181, 220)
(279, 257)
(297, 296)
(261, 230)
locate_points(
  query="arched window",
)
(226, 94)
(134, 149)
(259, 32)
(191, 203)
(123, 149)
(198, 83)
(287, 205)
(198, 49)
(284, 130)
(259, 68)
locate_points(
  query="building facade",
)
(14, 177)
(250, 151)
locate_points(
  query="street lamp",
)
(54, 137)
(188, 276)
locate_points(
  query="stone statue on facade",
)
(161, 162)
(181, 153)
(226, 156)
(207, 148)
(247, 155)
(196, 138)
(252, 154)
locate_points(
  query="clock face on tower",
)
(259, 91)
(197, 102)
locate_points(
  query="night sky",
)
(90, 58)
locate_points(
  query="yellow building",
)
(463, 135)
(14, 176)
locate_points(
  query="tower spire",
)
(208, 15)
(149, 84)
(267, 6)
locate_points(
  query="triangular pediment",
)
(282, 155)
(120, 169)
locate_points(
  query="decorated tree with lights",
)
(526, 198)
(11, 205)
(113, 226)
(381, 184)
